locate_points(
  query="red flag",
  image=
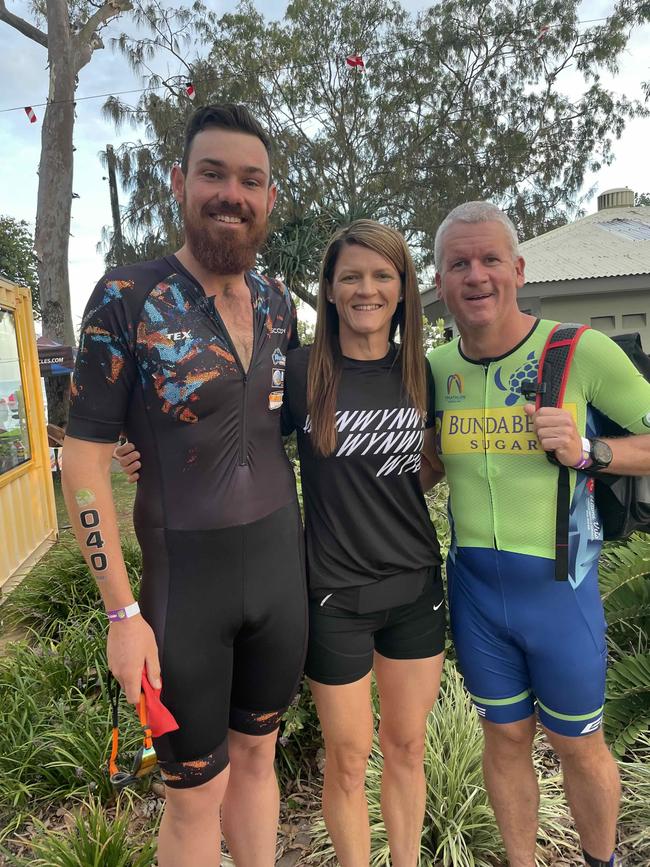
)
(29, 111)
(189, 90)
(543, 31)
(355, 61)
(159, 717)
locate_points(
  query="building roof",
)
(613, 242)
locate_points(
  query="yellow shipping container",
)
(28, 523)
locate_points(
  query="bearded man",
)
(186, 354)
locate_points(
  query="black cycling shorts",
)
(342, 643)
(229, 611)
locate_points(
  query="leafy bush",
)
(92, 840)
(300, 738)
(625, 588)
(55, 720)
(61, 588)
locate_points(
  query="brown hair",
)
(229, 116)
(325, 362)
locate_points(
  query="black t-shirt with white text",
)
(366, 519)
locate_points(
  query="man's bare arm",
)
(89, 498)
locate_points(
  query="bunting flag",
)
(189, 90)
(31, 114)
(355, 61)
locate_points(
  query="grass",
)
(92, 838)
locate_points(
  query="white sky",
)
(24, 75)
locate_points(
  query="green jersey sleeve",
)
(611, 383)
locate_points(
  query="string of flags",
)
(355, 62)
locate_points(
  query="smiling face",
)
(479, 276)
(366, 289)
(226, 198)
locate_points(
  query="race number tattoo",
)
(90, 521)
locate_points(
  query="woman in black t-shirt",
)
(362, 406)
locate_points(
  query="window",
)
(603, 322)
(14, 436)
(634, 320)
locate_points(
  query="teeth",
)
(367, 306)
(223, 218)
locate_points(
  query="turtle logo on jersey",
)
(525, 373)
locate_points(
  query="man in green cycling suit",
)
(522, 637)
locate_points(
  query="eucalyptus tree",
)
(70, 31)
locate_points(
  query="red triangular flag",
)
(159, 718)
(29, 111)
(355, 61)
(189, 90)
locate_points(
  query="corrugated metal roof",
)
(611, 243)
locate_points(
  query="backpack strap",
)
(552, 376)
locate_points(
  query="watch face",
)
(601, 454)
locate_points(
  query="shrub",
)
(92, 840)
(55, 721)
(625, 588)
(61, 588)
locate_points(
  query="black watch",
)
(600, 454)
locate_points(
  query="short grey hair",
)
(475, 212)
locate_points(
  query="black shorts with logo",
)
(342, 642)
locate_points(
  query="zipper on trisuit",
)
(243, 457)
(486, 368)
(215, 316)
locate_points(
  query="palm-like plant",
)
(625, 587)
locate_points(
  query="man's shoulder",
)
(439, 355)
(298, 360)
(271, 284)
(130, 283)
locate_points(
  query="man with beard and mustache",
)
(186, 354)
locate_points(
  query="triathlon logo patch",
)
(278, 378)
(455, 387)
(278, 359)
(275, 400)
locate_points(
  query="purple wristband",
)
(582, 463)
(123, 613)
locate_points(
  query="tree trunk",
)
(55, 200)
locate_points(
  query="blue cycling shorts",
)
(524, 638)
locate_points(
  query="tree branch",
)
(22, 26)
(103, 15)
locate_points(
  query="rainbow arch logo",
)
(455, 380)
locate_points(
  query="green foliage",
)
(462, 99)
(625, 588)
(627, 710)
(54, 709)
(17, 257)
(60, 587)
(92, 840)
(300, 737)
